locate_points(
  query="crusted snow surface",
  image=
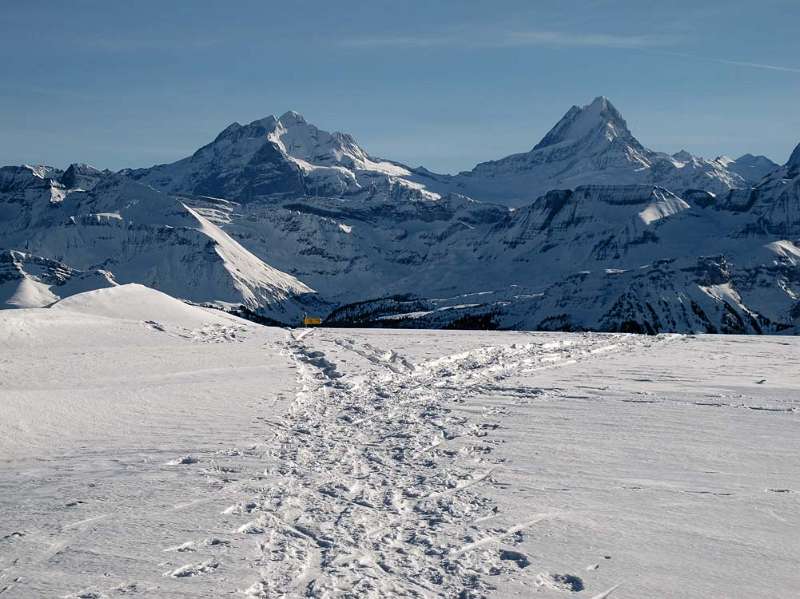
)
(179, 455)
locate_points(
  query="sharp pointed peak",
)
(601, 102)
(580, 121)
(602, 105)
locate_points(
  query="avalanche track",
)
(376, 487)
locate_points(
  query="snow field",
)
(208, 458)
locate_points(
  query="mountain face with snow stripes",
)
(588, 230)
(131, 234)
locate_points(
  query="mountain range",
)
(590, 229)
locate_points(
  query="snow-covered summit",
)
(685, 156)
(285, 157)
(599, 119)
(590, 145)
(81, 176)
(305, 143)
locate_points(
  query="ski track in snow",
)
(374, 484)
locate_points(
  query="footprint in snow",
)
(187, 459)
(559, 582)
(520, 559)
(191, 546)
(193, 570)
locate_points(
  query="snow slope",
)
(137, 302)
(173, 462)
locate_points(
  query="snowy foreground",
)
(154, 449)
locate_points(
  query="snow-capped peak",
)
(280, 157)
(303, 141)
(599, 117)
(751, 168)
(590, 145)
(313, 149)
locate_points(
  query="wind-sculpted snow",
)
(266, 462)
(137, 302)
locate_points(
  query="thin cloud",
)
(147, 44)
(553, 39)
(758, 65)
(602, 40)
(736, 63)
(510, 39)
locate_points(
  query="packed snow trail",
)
(376, 488)
(227, 459)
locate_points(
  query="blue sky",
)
(443, 84)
